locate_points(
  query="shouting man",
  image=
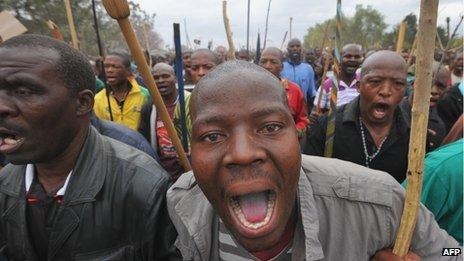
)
(371, 130)
(126, 97)
(71, 194)
(252, 196)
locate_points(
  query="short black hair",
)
(125, 57)
(72, 67)
(208, 52)
(279, 52)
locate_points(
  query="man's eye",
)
(270, 128)
(22, 92)
(212, 137)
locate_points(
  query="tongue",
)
(254, 206)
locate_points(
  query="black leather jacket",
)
(114, 208)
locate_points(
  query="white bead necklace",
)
(368, 157)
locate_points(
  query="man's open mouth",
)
(254, 210)
(9, 141)
(380, 110)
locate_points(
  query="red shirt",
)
(297, 105)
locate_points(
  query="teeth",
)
(10, 141)
(270, 208)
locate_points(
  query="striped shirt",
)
(231, 250)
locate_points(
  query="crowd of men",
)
(89, 171)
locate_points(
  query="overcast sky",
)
(204, 17)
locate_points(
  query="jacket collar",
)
(195, 204)
(83, 186)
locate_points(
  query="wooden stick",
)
(401, 33)
(119, 10)
(283, 41)
(324, 38)
(440, 44)
(324, 77)
(412, 52)
(72, 28)
(267, 22)
(147, 43)
(231, 54)
(290, 28)
(420, 108)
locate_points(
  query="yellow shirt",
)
(130, 113)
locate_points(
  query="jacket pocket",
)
(109, 254)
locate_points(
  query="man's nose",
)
(243, 150)
(202, 71)
(386, 88)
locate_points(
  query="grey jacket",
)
(348, 212)
(113, 209)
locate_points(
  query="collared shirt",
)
(129, 113)
(442, 189)
(303, 75)
(348, 143)
(42, 209)
(346, 93)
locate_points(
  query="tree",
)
(366, 27)
(35, 13)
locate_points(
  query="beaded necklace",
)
(368, 157)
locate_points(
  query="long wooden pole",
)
(267, 22)
(248, 28)
(119, 10)
(72, 28)
(283, 40)
(231, 54)
(290, 28)
(401, 33)
(420, 115)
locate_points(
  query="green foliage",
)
(35, 13)
(366, 27)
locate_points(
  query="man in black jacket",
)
(450, 106)
(72, 193)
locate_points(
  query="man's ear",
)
(358, 85)
(85, 101)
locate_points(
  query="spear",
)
(267, 20)
(180, 83)
(420, 114)
(72, 29)
(231, 55)
(119, 10)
